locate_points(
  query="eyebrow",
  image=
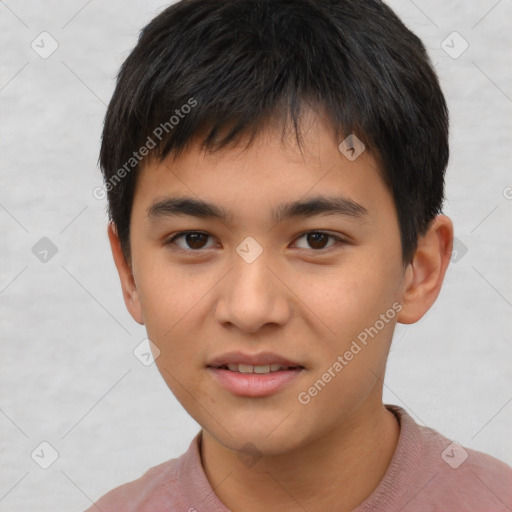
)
(318, 205)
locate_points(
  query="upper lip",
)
(261, 359)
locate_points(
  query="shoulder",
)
(463, 477)
(134, 496)
(430, 472)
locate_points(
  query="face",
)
(305, 299)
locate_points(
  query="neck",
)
(338, 471)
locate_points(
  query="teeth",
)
(262, 369)
(249, 368)
(245, 368)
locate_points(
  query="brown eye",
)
(194, 240)
(317, 240)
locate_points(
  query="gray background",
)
(68, 373)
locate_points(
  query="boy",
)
(275, 174)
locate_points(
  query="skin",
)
(296, 299)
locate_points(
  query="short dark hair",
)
(225, 69)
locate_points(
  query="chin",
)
(265, 437)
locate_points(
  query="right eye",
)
(194, 239)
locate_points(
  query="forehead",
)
(272, 176)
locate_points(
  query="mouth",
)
(254, 376)
(259, 369)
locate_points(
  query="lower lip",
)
(254, 384)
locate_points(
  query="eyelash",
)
(327, 250)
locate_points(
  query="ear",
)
(130, 294)
(424, 275)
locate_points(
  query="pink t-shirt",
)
(428, 473)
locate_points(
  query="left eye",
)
(319, 238)
(195, 240)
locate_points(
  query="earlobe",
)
(128, 285)
(425, 274)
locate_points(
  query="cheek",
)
(172, 303)
(351, 297)
(351, 303)
(171, 297)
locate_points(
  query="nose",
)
(253, 296)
